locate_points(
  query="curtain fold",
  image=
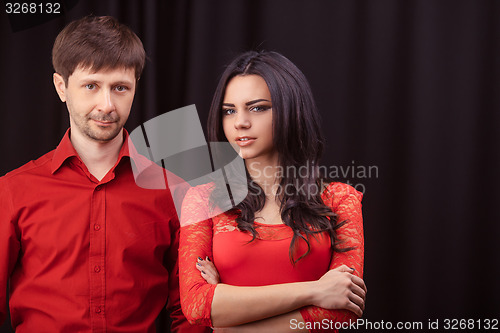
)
(409, 88)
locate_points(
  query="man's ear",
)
(60, 86)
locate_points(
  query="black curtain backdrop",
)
(408, 88)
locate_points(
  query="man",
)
(85, 248)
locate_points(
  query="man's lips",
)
(103, 123)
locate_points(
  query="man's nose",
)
(105, 103)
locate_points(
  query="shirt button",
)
(97, 227)
(98, 309)
(98, 188)
(97, 269)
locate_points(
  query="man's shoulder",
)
(34, 167)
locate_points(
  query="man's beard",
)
(100, 133)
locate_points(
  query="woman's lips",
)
(244, 141)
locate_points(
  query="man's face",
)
(98, 102)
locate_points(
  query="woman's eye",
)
(227, 112)
(90, 86)
(260, 108)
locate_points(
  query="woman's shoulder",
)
(195, 206)
(336, 192)
(200, 191)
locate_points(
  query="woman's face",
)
(247, 117)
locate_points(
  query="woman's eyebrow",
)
(248, 103)
(256, 101)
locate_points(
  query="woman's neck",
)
(266, 173)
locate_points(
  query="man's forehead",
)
(106, 73)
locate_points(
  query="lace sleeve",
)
(346, 203)
(195, 241)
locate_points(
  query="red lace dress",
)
(266, 260)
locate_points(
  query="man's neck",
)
(98, 157)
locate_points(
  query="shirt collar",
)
(65, 150)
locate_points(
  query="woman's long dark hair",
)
(297, 139)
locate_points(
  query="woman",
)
(291, 253)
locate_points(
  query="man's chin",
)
(104, 135)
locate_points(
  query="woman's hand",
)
(207, 270)
(340, 289)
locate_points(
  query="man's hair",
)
(96, 43)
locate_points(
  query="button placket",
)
(97, 257)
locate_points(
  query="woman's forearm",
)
(288, 322)
(336, 289)
(250, 304)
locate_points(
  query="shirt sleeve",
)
(195, 241)
(346, 203)
(9, 244)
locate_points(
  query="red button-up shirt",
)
(85, 255)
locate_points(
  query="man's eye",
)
(90, 86)
(121, 88)
(227, 112)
